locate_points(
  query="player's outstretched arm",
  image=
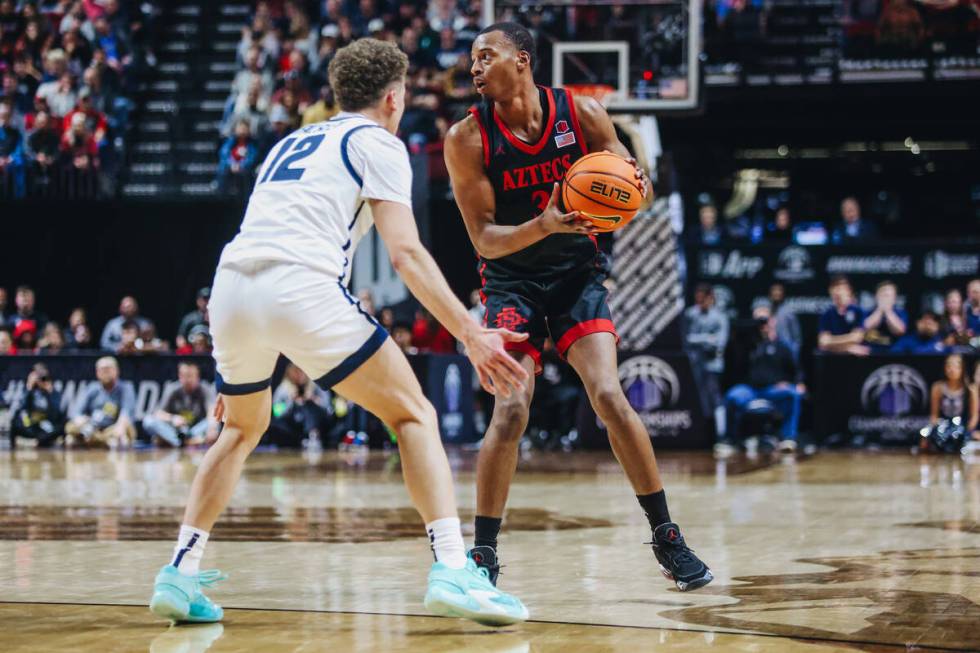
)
(498, 371)
(474, 195)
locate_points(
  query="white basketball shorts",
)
(261, 309)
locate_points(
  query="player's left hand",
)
(642, 180)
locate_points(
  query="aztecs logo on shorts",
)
(509, 319)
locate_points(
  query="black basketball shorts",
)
(566, 309)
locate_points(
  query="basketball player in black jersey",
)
(542, 275)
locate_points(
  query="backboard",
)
(637, 56)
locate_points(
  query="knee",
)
(418, 413)
(237, 435)
(510, 419)
(609, 402)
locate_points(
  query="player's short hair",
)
(516, 34)
(360, 73)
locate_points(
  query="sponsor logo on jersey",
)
(561, 126)
(546, 172)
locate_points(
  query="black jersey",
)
(523, 176)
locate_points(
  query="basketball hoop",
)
(603, 93)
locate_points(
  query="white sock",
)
(447, 542)
(189, 550)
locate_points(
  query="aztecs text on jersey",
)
(523, 175)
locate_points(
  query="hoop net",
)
(604, 93)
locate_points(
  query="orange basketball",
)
(603, 187)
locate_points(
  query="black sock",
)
(487, 529)
(655, 506)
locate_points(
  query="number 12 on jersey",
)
(282, 169)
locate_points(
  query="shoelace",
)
(209, 577)
(678, 553)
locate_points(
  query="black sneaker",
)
(677, 562)
(486, 557)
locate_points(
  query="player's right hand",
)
(498, 371)
(556, 222)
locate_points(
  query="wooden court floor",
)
(836, 552)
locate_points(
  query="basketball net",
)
(603, 93)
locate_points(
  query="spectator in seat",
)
(781, 229)
(38, 415)
(130, 335)
(710, 233)
(853, 228)
(324, 108)
(43, 144)
(773, 375)
(78, 333)
(80, 151)
(477, 310)
(787, 324)
(841, 327)
(26, 80)
(25, 336)
(237, 159)
(59, 95)
(449, 48)
(3, 306)
(200, 340)
(77, 52)
(706, 331)
(953, 323)
(300, 409)
(428, 336)
(184, 414)
(95, 121)
(52, 340)
(199, 316)
(20, 103)
(7, 342)
(972, 309)
(253, 76)
(112, 333)
(104, 417)
(886, 323)
(401, 333)
(926, 339)
(112, 43)
(954, 397)
(254, 111)
(11, 150)
(25, 309)
(281, 125)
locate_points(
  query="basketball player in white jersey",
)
(281, 287)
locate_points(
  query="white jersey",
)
(308, 204)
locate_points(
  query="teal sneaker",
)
(179, 598)
(468, 593)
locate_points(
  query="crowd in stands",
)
(26, 330)
(772, 355)
(777, 226)
(282, 82)
(67, 69)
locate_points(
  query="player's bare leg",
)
(386, 386)
(246, 418)
(594, 358)
(495, 467)
(497, 460)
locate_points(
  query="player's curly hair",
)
(361, 72)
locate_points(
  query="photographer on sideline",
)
(38, 416)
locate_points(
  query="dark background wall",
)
(92, 254)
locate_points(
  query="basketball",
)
(603, 187)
